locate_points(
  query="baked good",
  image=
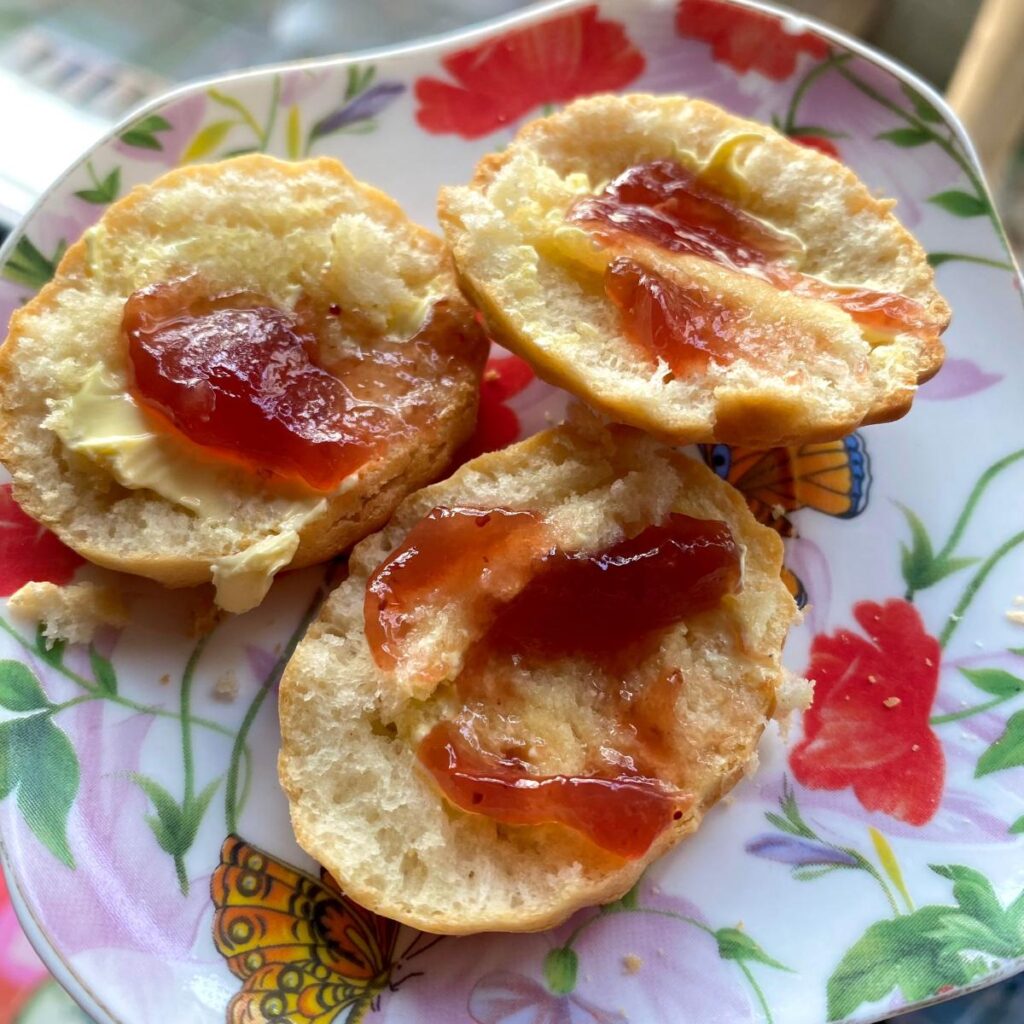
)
(243, 366)
(696, 274)
(462, 647)
(71, 613)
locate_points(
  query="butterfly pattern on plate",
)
(833, 477)
(305, 952)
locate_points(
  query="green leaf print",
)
(920, 566)
(734, 944)
(906, 137)
(931, 948)
(561, 966)
(961, 204)
(143, 134)
(103, 191)
(995, 681)
(44, 797)
(28, 266)
(922, 107)
(19, 689)
(907, 953)
(1018, 826)
(102, 671)
(1007, 751)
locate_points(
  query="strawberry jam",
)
(668, 320)
(622, 814)
(530, 602)
(666, 204)
(450, 553)
(243, 380)
(596, 605)
(662, 203)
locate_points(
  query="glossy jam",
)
(597, 606)
(623, 814)
(663, 203)
(245, 380)
(670, 321)
(452, 554)
(530, 601)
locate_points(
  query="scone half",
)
(696, 274)
(369, 300)
(354, 726)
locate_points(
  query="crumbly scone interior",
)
(555, 715)
(540, 277)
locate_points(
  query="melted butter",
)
(103, 423)
(243, 579)
(568, 244)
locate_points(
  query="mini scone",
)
(243, 366)
(534, 681)
(695, 274)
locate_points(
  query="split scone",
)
(534, 681)
(695, 274)
(243, 366)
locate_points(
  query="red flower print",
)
(28, 551)
(553, 61)
(817, 142)
(497, 425)
(746, 40)
(868, 727)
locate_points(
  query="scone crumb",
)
(225, 688)
(631, 963)
(203, 613)
(793, 693)
(71, 613)
(1016, 616)
(165, 679)
(892, 702)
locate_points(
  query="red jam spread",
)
(666, 204)
(622, 814)
(663, 203)
(597, 606)
(449, 553)
(243, 380)
(668, 320)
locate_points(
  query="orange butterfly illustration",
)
(305, 952)
(833, 477)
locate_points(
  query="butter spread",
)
(243, 579)
(103, 422)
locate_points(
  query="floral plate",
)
(874, 863)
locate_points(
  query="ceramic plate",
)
(875, 861)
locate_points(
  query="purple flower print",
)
(184, 117)
(657, 960)
(797, 852)
(507, 998)
(122, 893)
(364, 106)
(958, 378)
(11, 297)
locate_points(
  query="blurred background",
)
(70, 69)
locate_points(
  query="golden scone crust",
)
(538, 279)
(283, 230)
(360, 805)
